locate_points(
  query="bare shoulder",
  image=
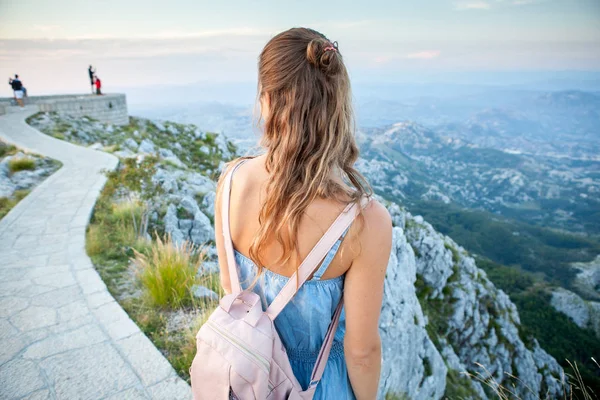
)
(375, 237)
(378, 222)
(240, 171)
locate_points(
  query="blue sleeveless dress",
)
(304, 321)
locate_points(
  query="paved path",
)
(62, 335)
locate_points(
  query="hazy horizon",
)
(140, 43)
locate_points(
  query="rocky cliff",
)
(442, 317)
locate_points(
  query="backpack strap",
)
(316, 255)
(231, 264)
(330, 256)
(319, 367)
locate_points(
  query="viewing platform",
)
(110, 108)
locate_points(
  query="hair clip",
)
(333, 47)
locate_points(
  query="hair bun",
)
(328, 61)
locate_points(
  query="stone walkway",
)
(62, 335)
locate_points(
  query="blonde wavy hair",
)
(308, 135)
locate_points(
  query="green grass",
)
(167, 274)
(7, 203)
(21, 164)
(458, 386)
(453, 250)
(6, 149)
(396, 396)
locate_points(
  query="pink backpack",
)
(239, 353)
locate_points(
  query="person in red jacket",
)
(98, 86)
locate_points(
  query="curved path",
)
(62, 335)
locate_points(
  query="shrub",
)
(455, 257)
(113, 230)
(6, 149)
(167, 273)
(96, 240)
(7, 203)
(396, 396)
(21, 164)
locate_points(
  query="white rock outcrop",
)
(478, 322)
(586, 314)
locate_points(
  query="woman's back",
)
(247, 196)
(303, 323)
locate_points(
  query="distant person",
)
(91, 73)
(98, 85)
(17, 87)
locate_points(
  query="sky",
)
(136, 43)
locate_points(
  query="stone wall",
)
(111, 108)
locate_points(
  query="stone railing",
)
(111, 108)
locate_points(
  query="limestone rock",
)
(204, 149)
(124, 153)
(208, 267)
(27, 179)
(195, 183)
(202, 230)
(406, 347)
(96, 146)
(198, 134)
(4, 168)
(572, 305)
(165, 153)
(202, 292)
(208, 204)
(166, 180)
(190, 205)
(221, 142)
(7, 187)
(147, 147)
(172, 225)
(130, 144)
(586, 314)
(83, 136)
(198, 230)
(173, 130)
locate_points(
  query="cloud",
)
(381, 60)
(486, 5)
(472, 5)
(418, 55)
(55, 32)
(46, 28)
(424, 55)
(175, 34)
(352, 24)
(525, 2)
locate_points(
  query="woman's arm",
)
(363, 296)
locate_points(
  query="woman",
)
(284, 200)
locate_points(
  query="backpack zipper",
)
(260, 360)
